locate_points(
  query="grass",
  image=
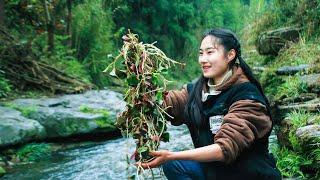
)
(32, 152)
(303, 52)
(25, 111)
(298, 119)
(86, 109)
(292, 160)
(289, 162)
(104, 121)
(5, 87)
(292, 87)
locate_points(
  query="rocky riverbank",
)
(92, 113)
(289, 72)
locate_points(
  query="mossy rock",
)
(303, 97)
(271, 42)
(309, 136)
(312, 81)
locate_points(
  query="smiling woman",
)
(228, 117)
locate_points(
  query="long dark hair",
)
(226, 38)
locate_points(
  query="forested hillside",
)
(80, 37)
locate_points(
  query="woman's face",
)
(213, 60)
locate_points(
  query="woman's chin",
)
(206, 75)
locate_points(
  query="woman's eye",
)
(209, 52)
(200, 53)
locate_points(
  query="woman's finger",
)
(155, 153)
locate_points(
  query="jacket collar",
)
(237, 77)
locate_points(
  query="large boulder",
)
(310, 106)
(15, 129)
(291, 70)
(303, 97)
(270, 42)
(312, 81)
(309, 135)
(92, 112)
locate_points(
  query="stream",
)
(102, 160)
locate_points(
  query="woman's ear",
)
(231, 55)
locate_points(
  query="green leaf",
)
(159, 96)
(165, 137)
(132, 80)
(156, 79)
(121, 74)
(142, 149)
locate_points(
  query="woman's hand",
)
(208, 153)
(160, 158)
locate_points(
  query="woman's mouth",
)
(206, 68)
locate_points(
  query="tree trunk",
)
(69, 21)
(50, 27)
(2, 14)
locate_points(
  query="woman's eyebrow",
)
(208, 48)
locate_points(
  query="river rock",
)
(291, 70)
(270, 42)
(312, 81)
(63, 116)
(310, 106)
(303, 97)
(15, 129)
(309, 135)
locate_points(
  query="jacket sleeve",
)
(246, 121)
(174, 103)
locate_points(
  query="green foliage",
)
(86, 109)
(259, 17)
(33, 152)
(290, 162)
(270, 81)
(177, 26)
(2, 171)
(25, 111)
(97, 27)
(297, 160)
(5, 87)
(267, 15)
(303, 52)
(298, 119)
(292, 87)
(92, 35)
(62, 58)
(103, 122)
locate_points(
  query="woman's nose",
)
(203, 59)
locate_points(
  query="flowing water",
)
(104, 160)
